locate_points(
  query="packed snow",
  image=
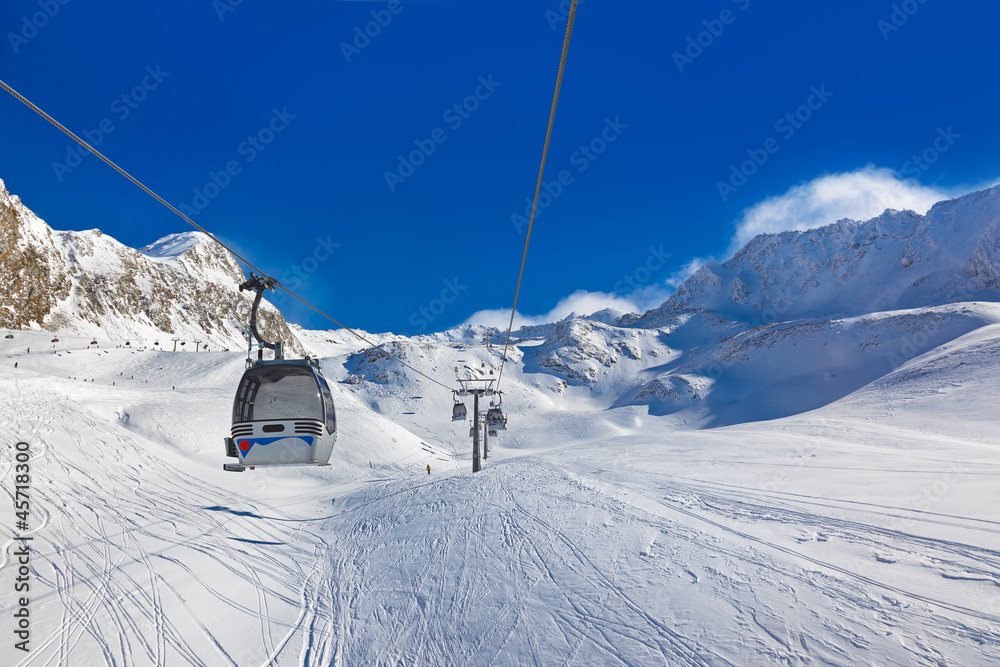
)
(794, 460)
(860, 532)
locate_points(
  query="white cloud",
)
(580, 302)
(861, 195)
(686, 271)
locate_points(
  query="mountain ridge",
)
(87, 283)
(896, 260)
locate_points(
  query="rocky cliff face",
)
(87, 283)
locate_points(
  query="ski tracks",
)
(103, 539)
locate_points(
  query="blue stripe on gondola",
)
(246, 444)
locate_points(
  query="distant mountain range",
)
(792, 322)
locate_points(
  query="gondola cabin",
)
(283, 414)
(496, 420)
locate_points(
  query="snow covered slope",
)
(87, 283)
(863, 532)
(745, 478)
(792, 367)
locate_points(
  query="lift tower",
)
(476, 388)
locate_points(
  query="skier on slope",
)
(428, 468)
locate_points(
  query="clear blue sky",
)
(323, 174)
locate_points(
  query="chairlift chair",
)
(283, 413)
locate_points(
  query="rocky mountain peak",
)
(87, 283)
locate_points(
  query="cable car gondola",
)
(495, 419)
(458, 412)
(283, 413)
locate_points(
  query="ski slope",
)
(861, 532)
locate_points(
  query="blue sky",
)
(663, 104)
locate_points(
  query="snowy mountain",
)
(860, 532)
(87, 283)
(750, 481)
(896, 261)
(797, 320)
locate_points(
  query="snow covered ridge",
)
(794, 322)
(789, 368)
(89, 284)
(898, 260)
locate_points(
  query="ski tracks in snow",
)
(139, 562)
(132, 562)
(831, 594)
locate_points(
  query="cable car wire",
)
(28, 103)
(541, 171)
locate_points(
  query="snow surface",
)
(792, 461)
(863, 531)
